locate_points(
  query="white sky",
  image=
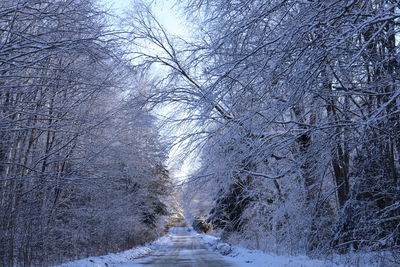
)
(165, 11)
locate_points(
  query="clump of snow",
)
(136, 252)
(223, 249)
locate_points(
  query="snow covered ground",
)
(245, 257)
(119, 258)
(233, 255)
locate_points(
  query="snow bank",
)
(245, 257)
(112, 258)
(121, 257)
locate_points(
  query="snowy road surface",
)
(182, 246)
(184, 250)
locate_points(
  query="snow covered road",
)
(182, 246)
(184, 249)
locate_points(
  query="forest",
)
(288, 112)
(81, 165)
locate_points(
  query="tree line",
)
(294, 110)
(81, 163)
